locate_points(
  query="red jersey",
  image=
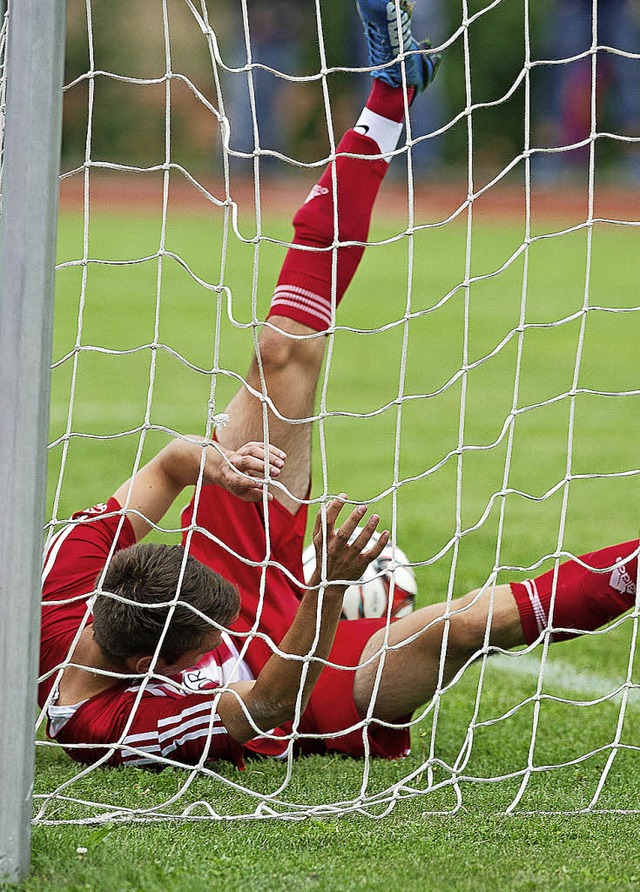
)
(238, 540)
(140, 721)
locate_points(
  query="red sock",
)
(388, 101)
(304, 289)
(584, 600)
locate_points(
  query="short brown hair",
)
(148, 575)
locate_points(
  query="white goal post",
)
(28, 225)
(30, 165)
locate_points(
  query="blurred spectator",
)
(565, 103)
(266, 42)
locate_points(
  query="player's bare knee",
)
(279, 349)
(275, 349)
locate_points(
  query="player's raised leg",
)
(331, 228)
(580, 596)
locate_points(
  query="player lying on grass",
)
(148, 673)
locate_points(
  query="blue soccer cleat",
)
(389, 35)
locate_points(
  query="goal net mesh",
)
(480, 388)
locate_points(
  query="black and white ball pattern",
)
(369, 596)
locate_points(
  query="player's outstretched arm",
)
(273, 697)
(149, 494)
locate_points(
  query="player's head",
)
(144, 579)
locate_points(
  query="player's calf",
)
(332, 226)
(285, 343)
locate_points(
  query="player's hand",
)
(345, 560)
(244, 471)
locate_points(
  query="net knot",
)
(220, 420)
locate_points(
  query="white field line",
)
(565, 678)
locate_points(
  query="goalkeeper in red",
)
(158, 655)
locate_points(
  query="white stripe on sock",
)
(384, 131)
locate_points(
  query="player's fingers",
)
(248, 464)
(377, 547)
(276, 456)
(272, 457)
(333, 509)
(364, 536)
(271, 453)
(256, 494)
(347, 529)
(255, 466)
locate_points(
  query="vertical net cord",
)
(466, 285)
(214, 416)
(521, 323)
(66, 438)
(146, 425)
(634, 635)
(263, 382)
(256, 325)
(399, 401)
(255, 317)
(322, 412)
(511, 421)
(327, 364)
(572, 408)
(152, 374)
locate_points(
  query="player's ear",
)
(141, 664)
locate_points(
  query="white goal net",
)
(480, 388)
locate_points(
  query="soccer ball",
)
(369, 596)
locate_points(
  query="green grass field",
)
(392, 435)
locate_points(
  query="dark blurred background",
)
(129, 118)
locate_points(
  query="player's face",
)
(210, 640)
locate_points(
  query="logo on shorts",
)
(621, 581)
(317, 190)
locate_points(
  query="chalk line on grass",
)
(565, 677)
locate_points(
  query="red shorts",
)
(231, 539)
